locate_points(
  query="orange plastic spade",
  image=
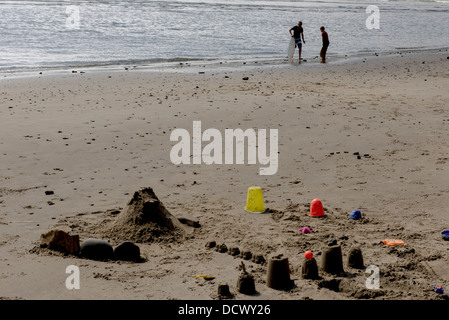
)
(393, 242)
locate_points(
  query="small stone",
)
(49, 192)
(245, 78)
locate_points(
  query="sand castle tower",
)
(145, 219)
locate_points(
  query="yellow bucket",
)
(254, 200)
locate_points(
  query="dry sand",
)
(96, 137)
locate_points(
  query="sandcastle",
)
(145, 219)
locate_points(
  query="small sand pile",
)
(145, 220)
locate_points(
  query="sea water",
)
(37, 35)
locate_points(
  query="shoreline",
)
(216, 65)
(365, 135)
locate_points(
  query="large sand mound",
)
(145, 219)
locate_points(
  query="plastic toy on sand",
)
(393, 242)
(306, 230)
(316, 208)
(439, 290)
(445, 235)
(308, 254)
(356, 214)
(254, 200)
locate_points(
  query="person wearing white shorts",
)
(298, 33)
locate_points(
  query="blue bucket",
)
(355, 215)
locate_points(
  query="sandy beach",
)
(94, 138)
